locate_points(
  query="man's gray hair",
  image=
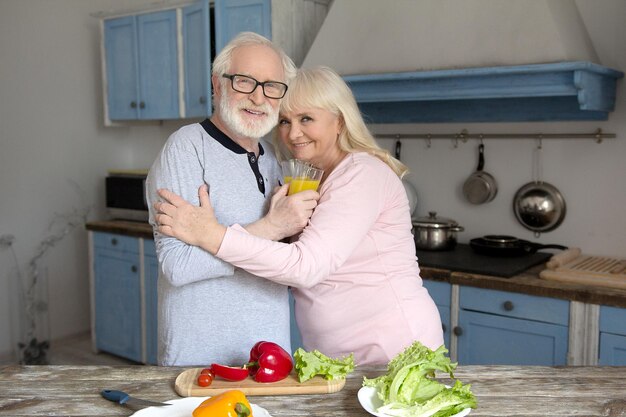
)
(222, 61)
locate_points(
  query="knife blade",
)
(123, 398)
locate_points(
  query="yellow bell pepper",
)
(231, 403)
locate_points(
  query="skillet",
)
(503, 245)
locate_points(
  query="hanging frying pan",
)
(480, 187)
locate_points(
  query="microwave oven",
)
(126, 195)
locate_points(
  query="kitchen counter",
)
(528, 282)
(500, 390)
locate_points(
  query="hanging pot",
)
(539, 206)
(481, 187)
(507, 246)
(411, 193)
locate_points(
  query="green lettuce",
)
(409, 388)
(309, 364)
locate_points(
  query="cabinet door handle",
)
(114, 242)
(508, 305)
(133, 268)
(458, 331)
(142, 105)
(202, 99)
(133, 104)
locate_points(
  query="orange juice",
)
(287, 179)
(301, 184)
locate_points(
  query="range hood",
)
(542, 92)
(472, 61)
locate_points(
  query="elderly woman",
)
(353, 268)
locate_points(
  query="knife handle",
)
(116, 396)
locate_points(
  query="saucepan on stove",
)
(435, 233)
(503, 245)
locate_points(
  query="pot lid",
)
(434, 222)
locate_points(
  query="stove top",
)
(463, 259)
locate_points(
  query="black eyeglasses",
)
(246, 85)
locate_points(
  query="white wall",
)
(51, 133)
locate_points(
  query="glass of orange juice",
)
(304, 177)
(288, 168)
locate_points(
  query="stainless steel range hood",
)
(470, 61)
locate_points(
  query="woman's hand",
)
(193, 225)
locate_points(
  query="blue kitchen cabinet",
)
(197, 59)
(141, 56)
(441, 293)
(612, 336)
(234, 16)
(503, 328)
(125, 272)
(151, 274)
(117, 291)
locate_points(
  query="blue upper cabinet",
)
(541, 92)
(197, 59)
(142, 66)
(234, 16)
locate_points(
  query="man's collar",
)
(222, 138)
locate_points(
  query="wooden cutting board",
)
(186, 386)
(590, 270)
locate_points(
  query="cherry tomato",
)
(206, 377)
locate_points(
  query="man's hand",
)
(195, 226)
(287, 215)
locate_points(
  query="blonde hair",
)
(222, 62)
(323, 88)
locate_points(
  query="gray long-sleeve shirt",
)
(210, 311)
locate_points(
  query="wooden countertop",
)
(123, 227)
(527, 282)
(501, 391)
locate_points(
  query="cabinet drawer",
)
(149, 248)
(548, 310)
(613, 320)
(116, 242)
(439, 291)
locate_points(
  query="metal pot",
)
(435, 233)
(480, 187)
(539, 206)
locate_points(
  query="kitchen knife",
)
(122, 398)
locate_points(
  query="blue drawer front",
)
(439, 291)
(613, 320)
(116, 242)
(149, 248)
(548, 310)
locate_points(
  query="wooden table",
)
(501, 391)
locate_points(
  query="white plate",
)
(370, 402)
(183, 407)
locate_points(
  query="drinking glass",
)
(304, 176)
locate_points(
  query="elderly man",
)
(210, 311)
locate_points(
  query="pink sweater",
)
(356, 280)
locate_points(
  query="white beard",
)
(237, 123)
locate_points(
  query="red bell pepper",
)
(269, 362)
(229, 373)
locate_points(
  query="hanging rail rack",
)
(464, 136)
